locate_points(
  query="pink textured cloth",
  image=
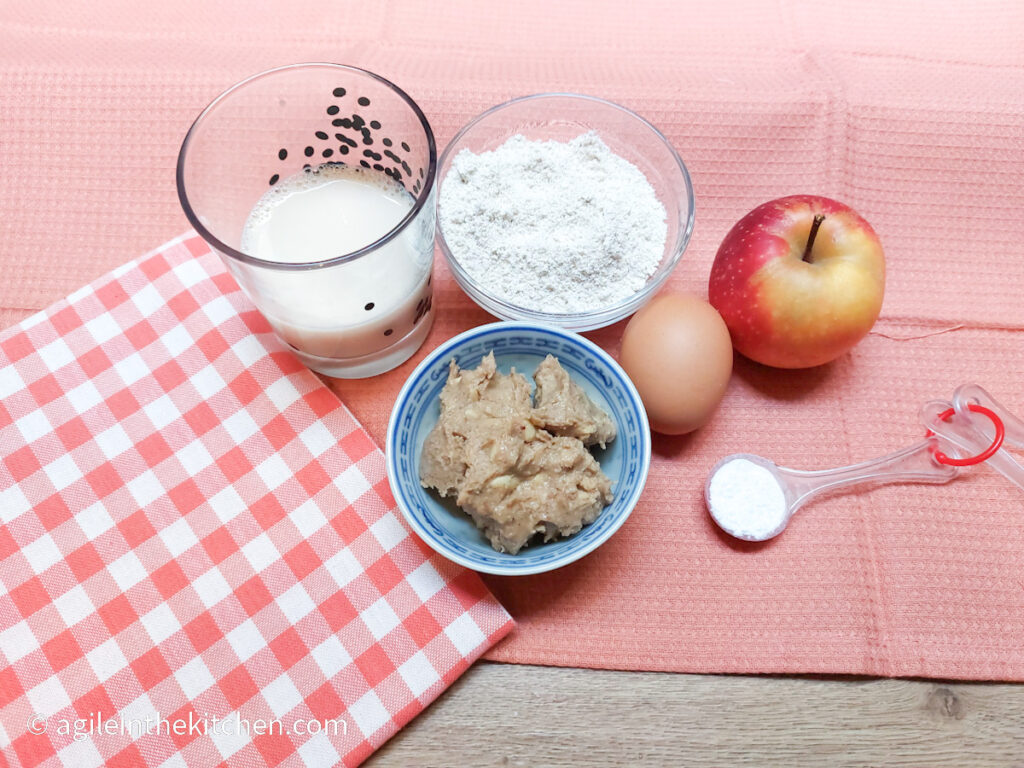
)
(911, 112)
(198, 544)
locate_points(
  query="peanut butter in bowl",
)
(518, 468)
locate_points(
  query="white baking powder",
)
(746, 500)
(553, 226)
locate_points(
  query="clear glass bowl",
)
(563, 116)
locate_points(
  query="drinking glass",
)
(354, 314)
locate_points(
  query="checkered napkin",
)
(200, 559)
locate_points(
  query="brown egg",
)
(678, 353)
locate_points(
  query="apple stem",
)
(818, 218)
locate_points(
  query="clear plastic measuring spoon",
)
(973, 434)
(752, 498)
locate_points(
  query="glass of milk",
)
(315, 184)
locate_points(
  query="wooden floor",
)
(510, 715)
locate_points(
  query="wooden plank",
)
(523, 716)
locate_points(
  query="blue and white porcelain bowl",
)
(522, 345)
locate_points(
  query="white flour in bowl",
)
(560, 227)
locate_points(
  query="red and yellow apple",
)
(798, 281)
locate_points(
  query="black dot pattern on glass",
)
(422, 307)
(386, 161)
(389, 331)
(368, 306)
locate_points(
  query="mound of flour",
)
(553, 226)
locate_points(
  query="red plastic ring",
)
(988, 453)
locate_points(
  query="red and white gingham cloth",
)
(193, 526)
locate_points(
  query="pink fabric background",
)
(911, 112)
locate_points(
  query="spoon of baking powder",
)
(753, 498)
